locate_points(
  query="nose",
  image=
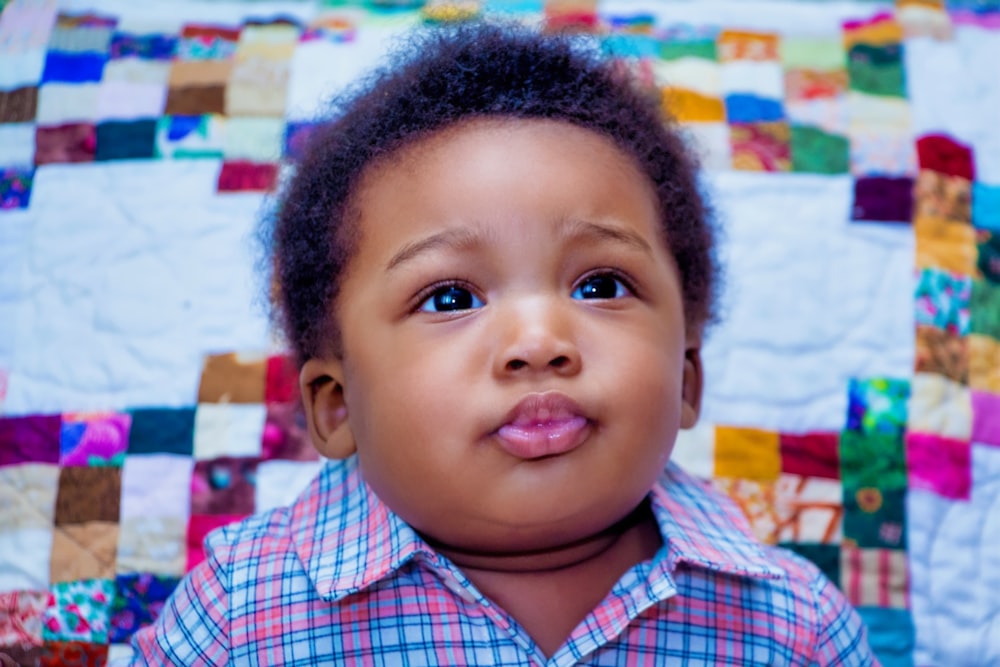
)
(537, 337)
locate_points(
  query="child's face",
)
(515, 366)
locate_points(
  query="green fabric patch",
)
(811, 53)
(984, 309)
(702, 48)
(875, 518)
(988, 262)
(876, 460)
(817, 152)
(877, 70)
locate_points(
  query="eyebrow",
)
(584, 229)
(457, 239)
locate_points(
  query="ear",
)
(321, 385)
(691, 390)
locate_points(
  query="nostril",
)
(516, 364)
(560, 361)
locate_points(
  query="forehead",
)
(508, 170)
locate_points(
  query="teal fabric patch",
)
(875, 518)
(125, 140)
(942, 301)
(891, 634)
(877, 70)
(988, 261)
(162, 431)
(986, 206)
(817, 152)
(985, 309)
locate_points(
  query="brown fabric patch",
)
(75, 142)
(196, 100)
(938, 195)
(84, 551)
(185, 73)
(88, 494)
(941, 352)
(19, 105)
(230, 378)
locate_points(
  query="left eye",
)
(450, 298)
(601, 286)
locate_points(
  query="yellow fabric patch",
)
(945, 244)
(688, 106)
(748, 453)
(984, 363)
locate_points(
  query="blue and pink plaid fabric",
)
(337, 578)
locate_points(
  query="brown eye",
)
(450, 298)
(601, 286)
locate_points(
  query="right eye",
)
(450, 298)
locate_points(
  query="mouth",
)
(543, 425)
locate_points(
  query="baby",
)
(495, 269)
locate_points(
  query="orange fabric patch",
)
(688, 106)
(745, 45)
(945, 244)
(747, 453)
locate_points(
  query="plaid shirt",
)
(337, 578)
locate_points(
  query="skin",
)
(500, 260)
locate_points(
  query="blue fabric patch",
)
(162, 431)
(890, 634)
(631, 46)
(73, 67)
(181, 126)
(986, 206)
(744, 108)
(147, 47)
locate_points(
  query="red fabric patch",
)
(247, 177)
(83, 654)
(282, 385)
(946, 156)
(810, 454)
(199, 526)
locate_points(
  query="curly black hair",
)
(445, 75)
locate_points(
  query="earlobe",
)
(320, 382)
(691, 390)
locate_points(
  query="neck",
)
(637, 532)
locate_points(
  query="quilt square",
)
(877, 30)
(943, 353)
(986, 206)
(286, 436)
(88, 494)
(940, 465)
(62, 67)
(146, 47)
(162, 431)
(224, 486)
(282, 380)
(748, 45)
(694, 449)
(15, 187)
(94, 438)
(21, 614)
(756, 499)
(947, 245)
(207, 42)
(242, 176)
(749, 108)
(747, 453)
(883, 199)
(258, 87)
(877, 69)
(984, 363)
(988, 256)
(198, 528)
(130, 101)
(984, 308)
(875, 517)
(875, 577)
(940, 406)
(28, 496)
(255, 140)
(73, 142)
(61, 103)
(156, 485)
(877, 405)
(811, 454)
(761, 146)
(198, 87)
(943, 300)
(880, 150)
(30, 439)
(126, 140)
(872, 460)
(814, 53)
(83, 551)
(340, 29)
(87, 39)
(17, 146)
(138, 601)
(153, 544)
(808, 509)
(19, 105)
(986, 418)
(229, 429)
(80, 612)
(692, 106)
(818, 152)
(187, 137)
(944, 155)
(61, 653)
(810, 84)
(891, 635)
(233, 378)
(940, 196)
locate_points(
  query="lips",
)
(543, 425)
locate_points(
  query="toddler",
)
(495, 270)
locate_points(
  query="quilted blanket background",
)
(852, 150)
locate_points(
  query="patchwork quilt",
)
(852, 153)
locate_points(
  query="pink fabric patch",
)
(198, 527)
(986, 418)
(940, 465)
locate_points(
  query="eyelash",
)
(617, 274)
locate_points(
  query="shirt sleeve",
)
(193, 628)
(842, 638)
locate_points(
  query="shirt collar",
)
(347, 539)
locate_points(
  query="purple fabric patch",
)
(32, 439)
(97, 439)
(986, 418)
(883, 199)
(939, 465)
